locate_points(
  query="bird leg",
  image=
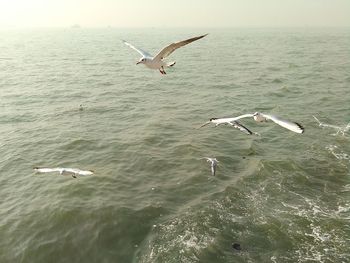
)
(161, 70)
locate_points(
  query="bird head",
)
(208, 122)
(141, 61)
(256, 116)
(259, 117)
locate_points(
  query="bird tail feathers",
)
(170, 64)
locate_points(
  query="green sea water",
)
(284, 197)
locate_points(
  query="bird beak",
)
(138, 62)
(208, 122)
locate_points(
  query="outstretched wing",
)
(165, 52)
(213, 169)
(78, 171)
(292, 126)
(142, 52)
(328, 125)
(242, 128)
(46, 170)
(233, 119)
(320, 123)
(88, 172)
(248, 115)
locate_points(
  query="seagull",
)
(213, 164)
(260, 117)
(339, 129)
(229, 121)
(157, 62)
(73, 171)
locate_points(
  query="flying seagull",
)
(261, 117)
(339, 129)
(229, 121)
(73, 171)
(213, 164)
(157, 62)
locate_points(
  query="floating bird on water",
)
(229, 121)
(339, 129)
(213, 164)
(72, 171)
(157, 62)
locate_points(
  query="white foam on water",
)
(182, 237)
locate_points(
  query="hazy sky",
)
(178, 13)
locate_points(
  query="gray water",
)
(284, 197)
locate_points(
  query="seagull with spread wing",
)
(72, 171)
(229, 121)
(258, 117)
(157, 62)
(339, 129)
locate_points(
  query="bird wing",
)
(293, 126)
(213, 169)
(243, 116)
(233, 119)
(241, 127)
(46, 170)
(88, 172)
(320, 123)
(78, 171)
(166, 51)
(142, 52)
(72, 170)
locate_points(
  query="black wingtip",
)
(248, 132)
(301, 127)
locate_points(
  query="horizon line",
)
(78, 26)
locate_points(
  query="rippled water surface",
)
(284, 197)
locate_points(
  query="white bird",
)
(157, 62)
(213, 164)
(339, 129)
(73, 171)
(229, 121)
(261, 117)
